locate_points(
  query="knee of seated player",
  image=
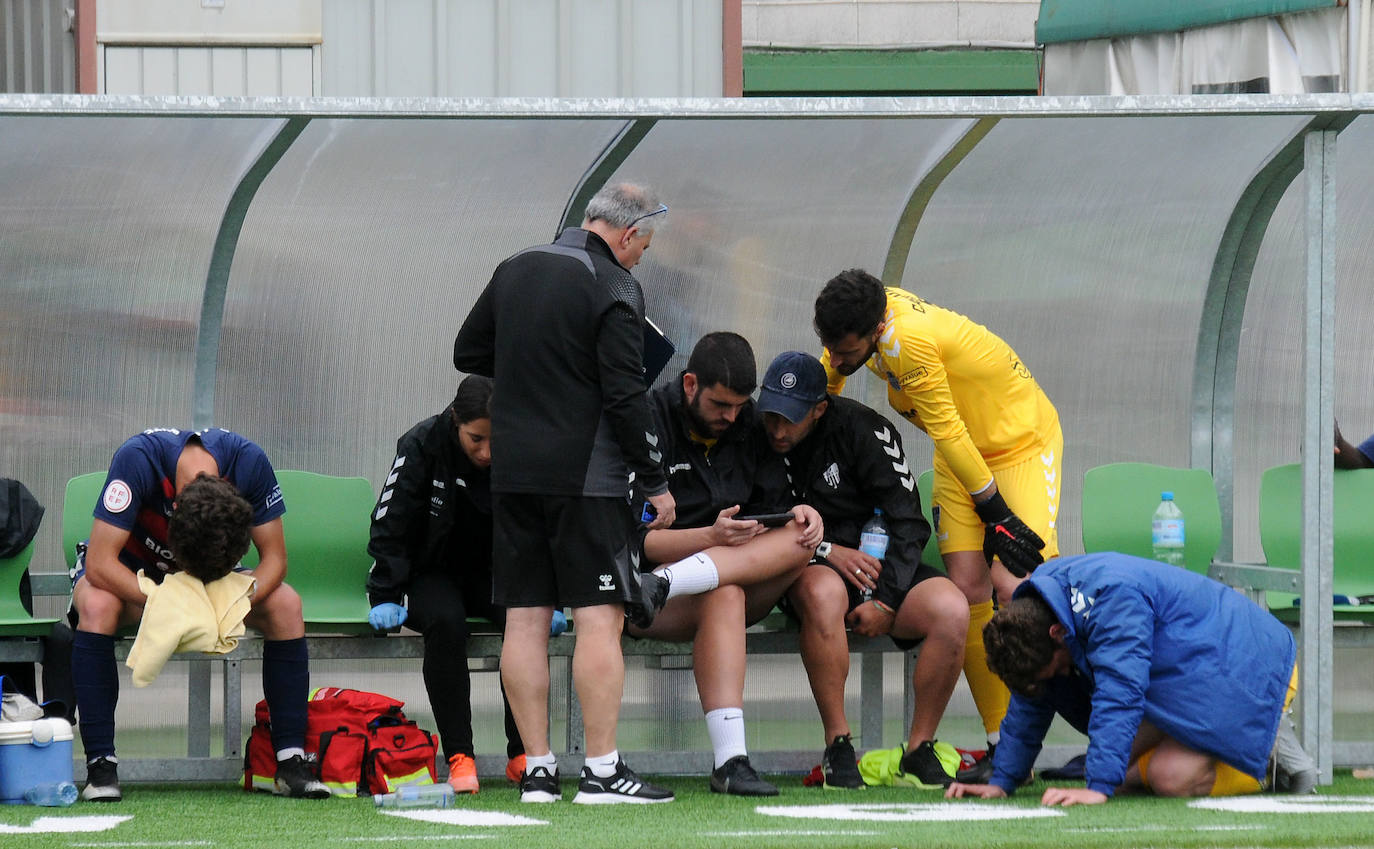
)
(779, 547)
(97, 610)
(279, 616)
(934, 610)
(723, 602)
(449, 627)
(819, 595)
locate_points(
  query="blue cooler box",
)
(33, 753)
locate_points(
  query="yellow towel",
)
(182, 614)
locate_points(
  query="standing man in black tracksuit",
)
(846, 461)
(431, 544)
(561, 329)
(724, 572)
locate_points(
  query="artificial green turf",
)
(223, 816)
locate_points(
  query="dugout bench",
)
(326, 530)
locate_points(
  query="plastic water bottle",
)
(873, 541)
(1166, 531)
(417, 796)
(54, 794)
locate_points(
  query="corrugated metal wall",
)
(245, 47)
(222, 71)
(523, 48)
(37, 53)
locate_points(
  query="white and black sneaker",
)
(653, 594)
(102, 780)
(624, 787)
(297, 778)
(538, 784)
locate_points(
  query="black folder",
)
(658, 350)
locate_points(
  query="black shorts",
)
(561, 551)
(923, 573)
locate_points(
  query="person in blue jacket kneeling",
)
(1181, 683)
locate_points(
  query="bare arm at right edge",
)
(620, 356)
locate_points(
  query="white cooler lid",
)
(49, 730)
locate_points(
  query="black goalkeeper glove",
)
(1007, 538)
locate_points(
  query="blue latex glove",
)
(559, 624)
(386, 616)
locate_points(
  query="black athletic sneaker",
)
(623, 787)
(738, 778)
(980, 772)
(841, 765)
(102, 780)
(921, 768)
(297, 778)
(653, 594)
(538, 784)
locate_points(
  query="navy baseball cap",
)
(794, 383)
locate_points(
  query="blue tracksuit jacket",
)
(1151, 641)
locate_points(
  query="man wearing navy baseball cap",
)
(846, 461)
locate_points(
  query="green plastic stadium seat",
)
(1119, 501)
(15, 621)
(327, 524)
(930, 555)
(1281, 534)
(78, 511)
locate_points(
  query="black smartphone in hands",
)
(768, 520)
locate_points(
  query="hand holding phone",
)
(768, 520)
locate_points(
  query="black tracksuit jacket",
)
(560, 328)
(433, 515)
(851, 463)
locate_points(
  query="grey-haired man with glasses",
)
(561, 329)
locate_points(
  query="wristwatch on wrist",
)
(823, 550)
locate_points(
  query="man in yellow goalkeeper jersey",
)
(997, 445)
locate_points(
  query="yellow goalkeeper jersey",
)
(961, 384)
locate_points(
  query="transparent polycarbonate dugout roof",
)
(296, 269)
(335, 245)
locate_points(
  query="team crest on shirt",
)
(117, 497)
(832, 476)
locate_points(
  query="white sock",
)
(283, 754)
(725, 727)
(691, 576)
(548, 761)
(603, 766)
(994, 738)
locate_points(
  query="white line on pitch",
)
(390, 838)
(781, 833)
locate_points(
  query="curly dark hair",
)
(852, 301)
(210, 528)
(1018, 642)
